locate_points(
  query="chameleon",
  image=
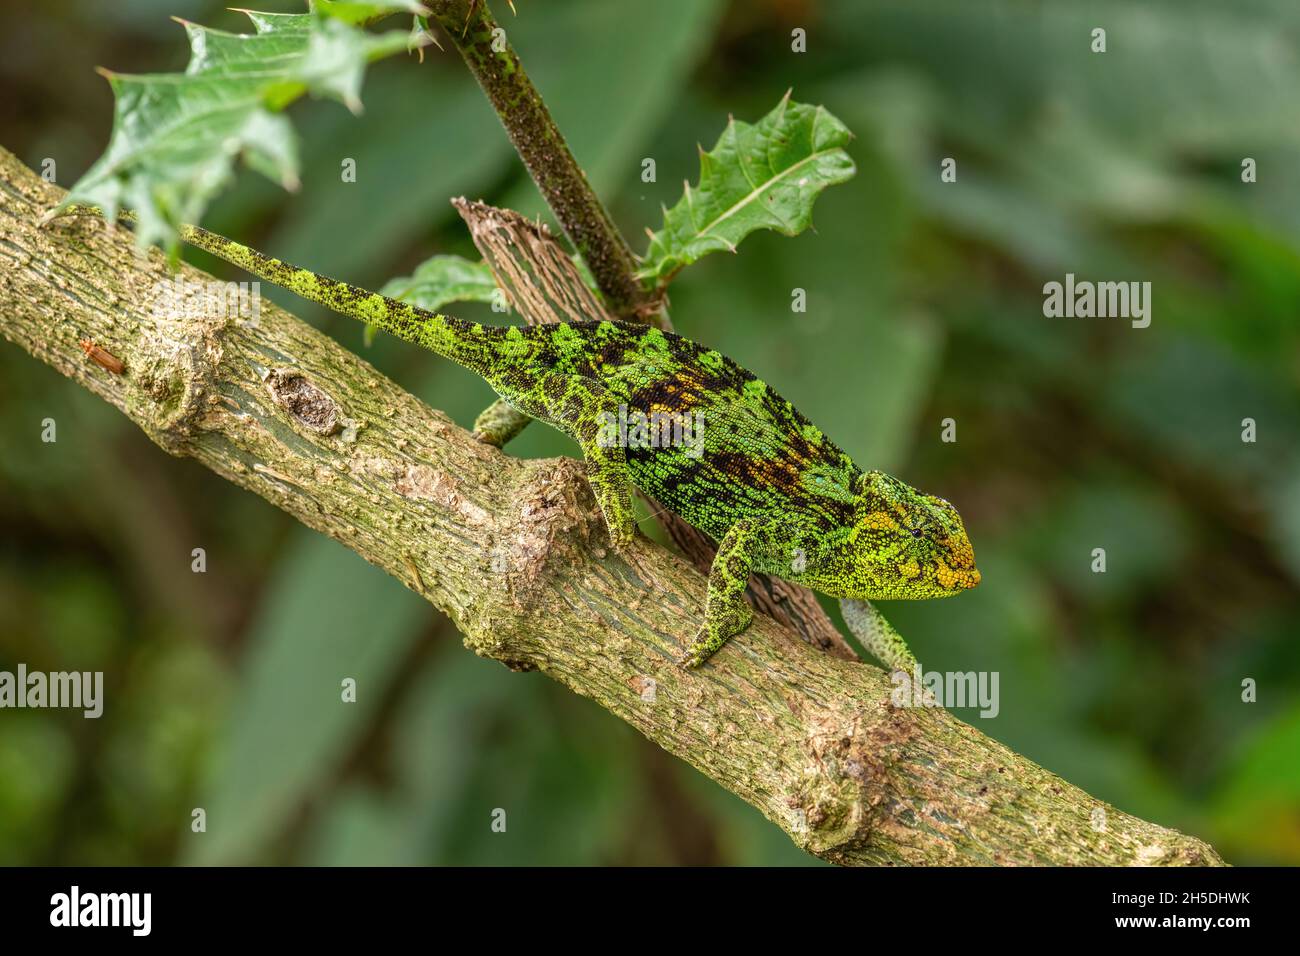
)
(775, 493)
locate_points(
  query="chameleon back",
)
(705, 437)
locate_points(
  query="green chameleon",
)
(764, 482)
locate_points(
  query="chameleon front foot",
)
(701, 650)
(724, 622)
(726, 614)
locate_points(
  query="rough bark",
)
(514, 551)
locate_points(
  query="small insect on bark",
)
(102, 357)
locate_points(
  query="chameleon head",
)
(905, 544)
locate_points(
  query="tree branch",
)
(470, 26)
(514, 552)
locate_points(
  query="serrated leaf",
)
(420, 36)
(176, 136)
(356, 12)
(761, 176)
(336, 59)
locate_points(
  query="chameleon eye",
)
(916, 532)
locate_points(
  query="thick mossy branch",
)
(514, 551)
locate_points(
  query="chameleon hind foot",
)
(583, 408)
(615, 503)
(710, 638)
(720, 626)
(611, 484)
(726, 614)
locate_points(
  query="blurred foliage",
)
(924, 302)
(177, 135)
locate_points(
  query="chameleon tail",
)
(466, 343)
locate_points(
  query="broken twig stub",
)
(308, 405)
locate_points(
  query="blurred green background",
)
(924, 302)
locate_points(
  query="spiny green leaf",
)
(438, 281)
(336, 59)
(358, 13)
(176, 136)
(420, 36)
(761, 176)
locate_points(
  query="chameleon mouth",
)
(956, 579)
(964, 581)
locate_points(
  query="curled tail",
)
(466, 343)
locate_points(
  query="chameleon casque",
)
(775, 493)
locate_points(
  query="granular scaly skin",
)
(776, 494)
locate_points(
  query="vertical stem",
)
(528, 123)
